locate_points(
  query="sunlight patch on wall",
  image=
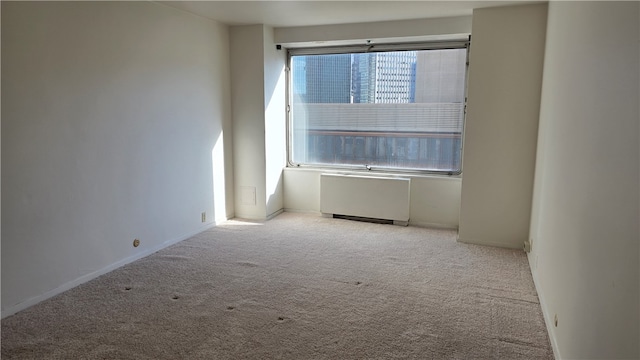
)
(219, 199)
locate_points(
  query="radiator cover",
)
(366, 196)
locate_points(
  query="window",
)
(378, 107)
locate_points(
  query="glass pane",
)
(401, 109)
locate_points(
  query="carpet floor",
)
(298, 286)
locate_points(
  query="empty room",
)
(320, 180)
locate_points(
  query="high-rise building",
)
(298, 65)
(385, 77)
(328, 79)
(363, 78)
(395, 77)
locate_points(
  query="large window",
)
(379, 108)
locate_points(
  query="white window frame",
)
(353, 49)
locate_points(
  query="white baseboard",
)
(491, 243)
(548, 319)
(433, 225)
(84, 278)
(299, 211)
(411, 222)
(274, 214)
(260, 218)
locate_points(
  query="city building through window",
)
(388, 110)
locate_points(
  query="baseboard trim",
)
(433, 225)
(11, 310)
(260, 218)
(548, 320)
(300, 211)
(274, 214)
(491, 243)
(411, 222)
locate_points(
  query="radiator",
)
(366, 197)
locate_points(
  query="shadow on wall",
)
(276, 198)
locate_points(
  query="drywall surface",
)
(275, 124)
(585, 213)
(505, 76)
(302, 190)
(110, 114)
(434, 201)
(248, 109)
(259, 121)
(407, 29)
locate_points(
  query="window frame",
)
(371, 48)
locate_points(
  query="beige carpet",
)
(296, 287)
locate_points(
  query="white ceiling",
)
(302, 13)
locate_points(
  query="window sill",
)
(376, 173)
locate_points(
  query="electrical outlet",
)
(204, 216)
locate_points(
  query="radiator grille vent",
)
(363, 219)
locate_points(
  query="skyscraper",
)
(385, 77)
(328, 79)
(363, 78)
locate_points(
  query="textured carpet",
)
(296, 287)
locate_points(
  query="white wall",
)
(259, 121)
(505, 77)
(248, 108)
(435, 201)
(111, 113)
(585, 214)
(275, 123)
